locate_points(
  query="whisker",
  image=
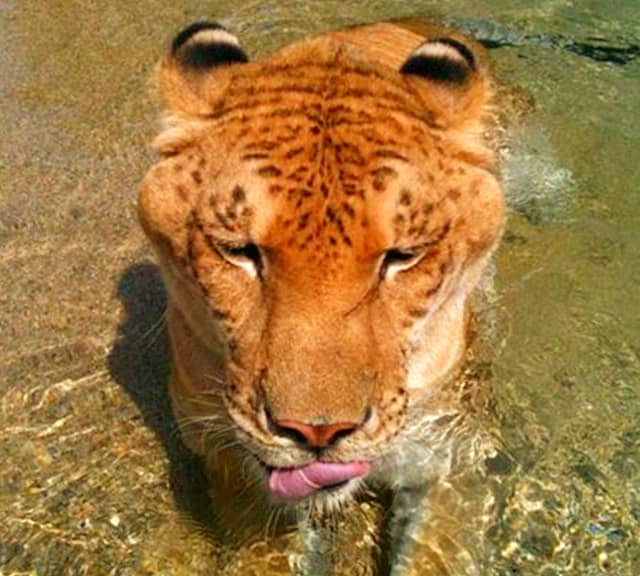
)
(203, 400)
(278, 517)
(247, 460)
(215, 438)
(249, 485)
(248, 509)
(154, 331)
(272, 515)
(215, 378)
(199, 419)
(222, 447)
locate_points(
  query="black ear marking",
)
(204, 45)
(191, 30)
(442, 60)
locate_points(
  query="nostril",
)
(342, 433)
(316, 436)
(291, 432)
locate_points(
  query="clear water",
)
(93, 480)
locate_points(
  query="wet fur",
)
(325, 156)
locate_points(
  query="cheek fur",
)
(437, 344)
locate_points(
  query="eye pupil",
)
(249, 252)
(395, 257)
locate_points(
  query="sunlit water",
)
(88, 486)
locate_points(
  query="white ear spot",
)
(441, 60)
(206, 45)
(439, 50)
(213, 36)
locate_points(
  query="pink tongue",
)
(294, 483)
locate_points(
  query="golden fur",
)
(325, 158)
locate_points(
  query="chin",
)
(331, 500)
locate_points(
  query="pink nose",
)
(316, 436)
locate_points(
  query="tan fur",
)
(325, 157)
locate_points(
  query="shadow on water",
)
(139, 363)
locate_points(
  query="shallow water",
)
(94, 480)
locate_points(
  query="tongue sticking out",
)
(295, 483)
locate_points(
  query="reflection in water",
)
(96, 482)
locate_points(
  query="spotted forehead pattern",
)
(344, 154)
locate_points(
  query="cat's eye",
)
(396, 260)
(245, 256)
